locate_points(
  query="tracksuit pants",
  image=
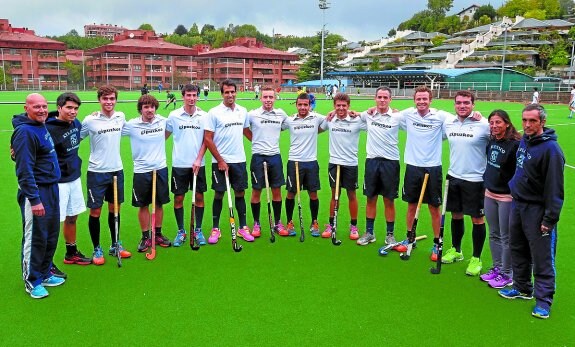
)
(532, 253)
(39, 235)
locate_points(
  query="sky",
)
(354, 20)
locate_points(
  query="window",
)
(137, 67)
(137, 79)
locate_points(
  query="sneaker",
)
(53, 281)
(501, 281)
(402, 247)
(38, 292)
(434, 251)
(117, 247)
(490, 275)
(179, 239)
(540, 312)
(514, 294)
(145, 243)
(451, 256)
(314, 229)
(98, 256)
(214, 236)
(287, 231)
(353, 233)
(390, 239)
(77, 258)
(200, 239)
(474, 267)
(281, 229)
(162, 241)
(244, 233)
(327, 232)
(365, 239)
(256, 231)
(54, 271)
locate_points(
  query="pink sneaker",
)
(490, 275)
(257, 230)
(244, 233)
(501, 281)
(353, 233)
(214, 236)
(327, 232)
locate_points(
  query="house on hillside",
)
(467, 13)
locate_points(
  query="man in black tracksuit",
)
(537, 190)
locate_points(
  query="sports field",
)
(283, 294)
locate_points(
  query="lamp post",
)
(571, 61)
(505, 27)
(323, 5)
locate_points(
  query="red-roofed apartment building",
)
(33, 62)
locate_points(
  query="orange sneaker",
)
(286, 231)
(256, 231)
(118, 246)
(314, 229)
(98, 256)
(353, 233)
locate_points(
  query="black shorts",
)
(413, 181)
(381, 177)
(101, 187)
(308, 176)
(183, 180)
(142, 188)
(347, 176)
(465, 197)
(275, 171)
(237, 174)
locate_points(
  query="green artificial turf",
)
(287, 293)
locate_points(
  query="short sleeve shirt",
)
(148, 142)
(228, 125)
(188, 134)
(105, 134)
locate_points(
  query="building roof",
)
(467, 8)
(146, 45)
(248, 52)
(24, 40)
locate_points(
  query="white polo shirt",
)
(105, 134)
(383, 134)
(266, 127)
(228, 127)
(344, 139)
(148, 142)
(303, 136)
(424, 137)
(188, 133)
(467, 147)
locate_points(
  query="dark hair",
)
(465, 94)
(190, 88)
(147, 99)
(542, 112)
(65, 97)
(510, 133)
(107, 89)
(303, 96)
(341, 97)
(384, 88)
(228, 83)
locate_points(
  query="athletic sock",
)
(179, 213)
(436, 240)
(71, 248)
(390, 226)
(158, 231)
(199, 217)
(256, 211)
(290, 204)
(353, 222)
(277, 206)
(94, 227)
(216, 212)
(331, 220)
(145, 234)
(457, 231)
(112, 227)
(478, 235)
(241, 207)
(314, 207)
(369, 222)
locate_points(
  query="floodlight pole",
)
(323, 5)
(505, 26)
(571, 62)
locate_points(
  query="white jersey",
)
(148, 142)
(266, 127)
(467, 147)
(303, 136)
(344, 139)
(105, 134)
(188, 133)
(535, 98)
(228, 127)
(383, 134)
(424, 137)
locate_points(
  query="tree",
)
(375, 65)
(207, 28)
(73, 32)
(310, 70)
(194, 31)
(544, 54)
(146, 26)
(391, 32)
(485, 10)
(245, 30)
(7, 81)
(439, 7)
(75, 75)
(180, 30)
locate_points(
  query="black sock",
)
(71, 248)
(216, 212)
(146, 234)
(390, 227)
(179, 213)
(369, 222)
(290, 204)
(277, 206)
(353, 222)
(158, 230)
(331, 220)
(256, 211)
(199, 217)
(478, 235)
(94, 227)
(112, 227)
(241, 207)
(314, 208)
(457, 231)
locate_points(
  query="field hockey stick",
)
(298, 192)
(270, 219)
(152, 254)
(384, 251)
(192, 220)
(437, 269)
(334, 239)
(116, 226)
(411, 233)
(235, 246)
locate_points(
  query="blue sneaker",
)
(314, 229)
(180, 238)
(53, 281)
(38, 292)
(540, 312)
(200, 239)
(514, 294)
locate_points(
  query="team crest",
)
(73, 139)
(494, 155)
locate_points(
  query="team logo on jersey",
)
(494, 155)
(520, 159)
(73, 139)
